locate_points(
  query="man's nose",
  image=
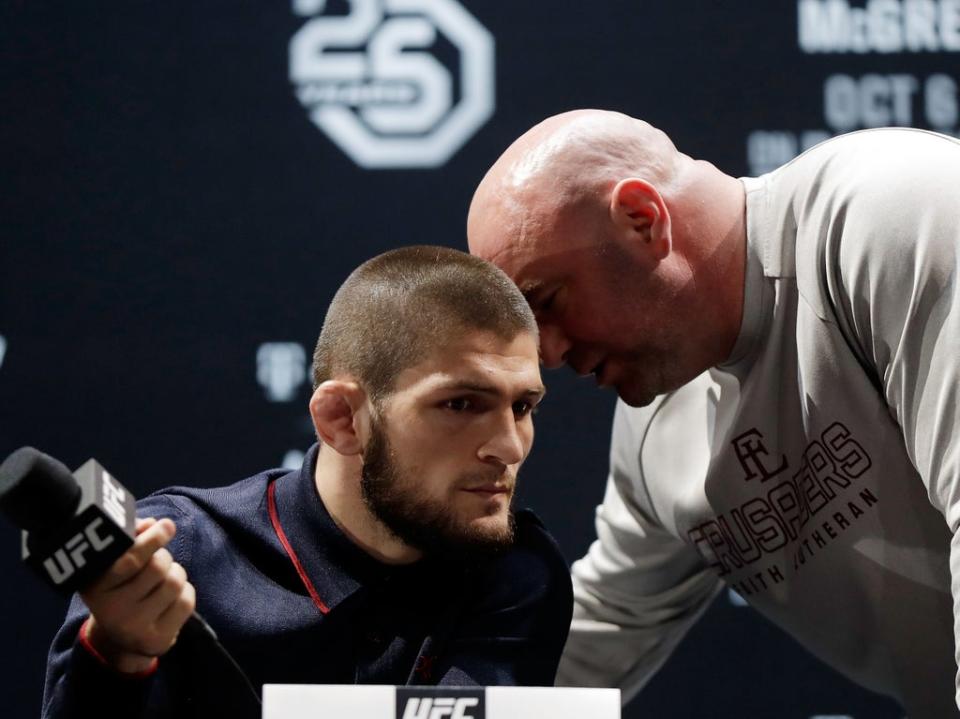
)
(505, 445)
(554, 346)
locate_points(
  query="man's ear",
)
(336, 408)
(641, 217)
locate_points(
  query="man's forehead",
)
(535, 246)
(541, 265)
(498, 238)
(510, 227)
(520, 254)
(480, 359)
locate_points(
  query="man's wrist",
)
(105, 650)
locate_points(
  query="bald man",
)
(786, 350)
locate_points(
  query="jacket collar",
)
(330, 560)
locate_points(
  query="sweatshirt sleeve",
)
(78, 685)
(639, 589)
(897, 293)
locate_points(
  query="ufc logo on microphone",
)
(437, 703)
(113, 498)
(72, 556)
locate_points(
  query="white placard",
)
(316, 701)
(553, 702)
(325, 701)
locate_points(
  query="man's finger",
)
(136, 558)
(146, 580)
(172, 620)
(165, 593)
(144, 523)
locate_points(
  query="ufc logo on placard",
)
(440, 708)
(440, 703)
(72, 556)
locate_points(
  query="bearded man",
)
(391, 557)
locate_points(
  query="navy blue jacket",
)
(295, 601)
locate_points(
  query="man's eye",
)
(459, 404)
(522, 409)
(547, 302)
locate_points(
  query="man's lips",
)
(597, 369)
(489, 490)
(587, 366)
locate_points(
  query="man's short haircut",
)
(396, 308)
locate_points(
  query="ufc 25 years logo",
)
(380, 80)
(439, 703)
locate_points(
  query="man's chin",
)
(635, 396)
(624, 376)
(638, 391)
(490, 526)
(487, 533)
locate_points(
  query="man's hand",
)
(139, 606)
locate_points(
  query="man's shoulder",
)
(225, 499)
(883, 146)
(202, 512)
(216, 522)
(869, 167)
(875, 213)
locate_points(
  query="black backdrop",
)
(174, 224)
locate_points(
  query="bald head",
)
(566, 160)
(629, 252)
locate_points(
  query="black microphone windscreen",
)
(36, 490)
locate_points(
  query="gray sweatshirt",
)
(817, 472)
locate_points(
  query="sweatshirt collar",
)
(758, 293)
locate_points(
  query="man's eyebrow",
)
(530, 289)
(482, 388)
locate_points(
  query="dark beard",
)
(420, 523)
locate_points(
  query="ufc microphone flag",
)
(74, 527)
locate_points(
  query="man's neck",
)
(715, 206)
(337, 479)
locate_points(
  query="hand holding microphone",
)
(80, 533)
(140, 604)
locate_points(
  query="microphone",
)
(76, 525)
